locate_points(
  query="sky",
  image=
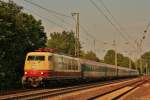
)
(131, 19)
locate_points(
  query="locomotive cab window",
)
(33, 58)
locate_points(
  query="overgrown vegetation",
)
(123, 61)
(64, 43)
(19, 33)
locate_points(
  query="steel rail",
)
(54, 92)
(134, 86)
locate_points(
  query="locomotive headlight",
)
(25, 73)
(42, 73)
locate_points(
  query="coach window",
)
(90, 67)
(77, 67)
(65, 63)
(72, 64)
(74, 67)
(94, 68)
(62, 63)
(76, 63)
(69, 65)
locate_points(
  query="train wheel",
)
(35, 84)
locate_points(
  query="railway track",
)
(44, 93)
(120, 92)
(18, 91)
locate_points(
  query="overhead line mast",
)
(139, 46)
(77, 44)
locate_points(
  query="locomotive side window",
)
(31, 58)
(58, 63)
(49, 58)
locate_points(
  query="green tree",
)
(146, 58)
(90, 55)
(145, 61)
(109, 57)
(19, 33)
(121, 59)
(63, 42)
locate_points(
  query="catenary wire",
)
(109, 20)
(109, 12)
(60, 14)
(55, 14)
(51, 11)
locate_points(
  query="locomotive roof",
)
(39, 53)
(82, 61)
(49, 53)
(66, 56)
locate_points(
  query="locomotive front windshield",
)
(34, 58)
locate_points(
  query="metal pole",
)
(94, 46)
(77, 44)
(115, 52)
(141, 66)
(115, 56)
(130, 66)
(130, 60)
(146, 69)
(76, 41)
